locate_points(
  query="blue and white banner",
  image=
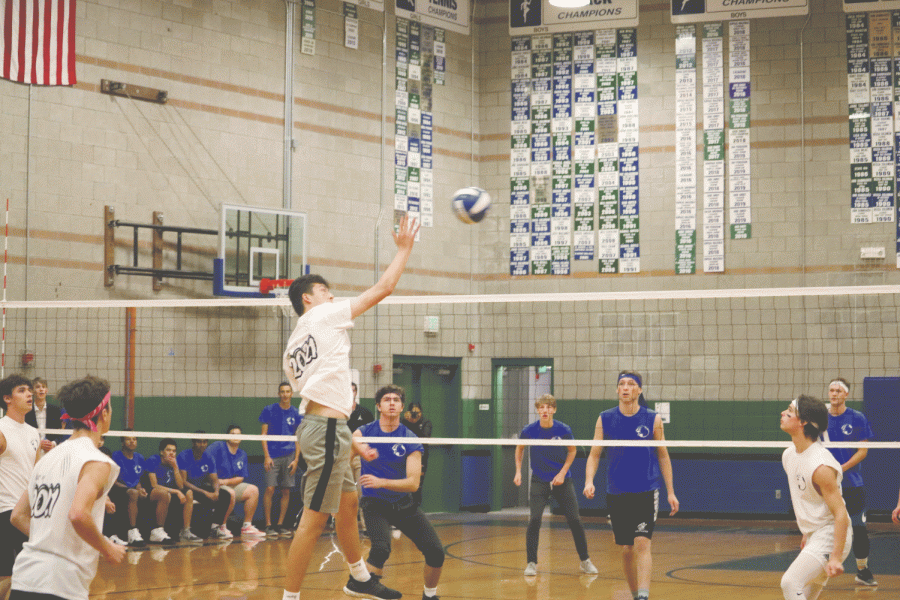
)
(539, 16)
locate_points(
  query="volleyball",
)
(471, 204)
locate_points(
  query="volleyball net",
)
(718, 365)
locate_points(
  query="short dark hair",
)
(167, 442)
(81, 397)
(234, 426)
(125, 436)
(303, 285)
(283, 384)
(390, 389)
(815, 413)
(11, 382)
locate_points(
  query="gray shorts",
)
(280, 474)
(326, 445)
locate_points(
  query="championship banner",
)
(538, 16)
(448, 14)
(851, 6)
(701, 11)
(686, 148)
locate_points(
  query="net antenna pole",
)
(5, 262)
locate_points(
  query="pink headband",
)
(86, 419)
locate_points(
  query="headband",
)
(840, 383)
(86, 419)
(632, 376)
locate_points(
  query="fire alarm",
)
(471, 347)
(376, 369)
(27, 358)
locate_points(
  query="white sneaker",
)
(588, 567)
(134, 538)
(117, 540)
(221, 533)
(159, 536)
(530, 569)
(396, 533)
(188, 536)
(249, 531)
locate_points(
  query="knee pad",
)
(434, 557)
(378, 555)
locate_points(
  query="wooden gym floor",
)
(692, 559)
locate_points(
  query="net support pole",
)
(130, 327)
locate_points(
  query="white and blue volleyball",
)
(471, 204)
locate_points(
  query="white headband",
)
(840, 383)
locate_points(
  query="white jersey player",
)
(62, 509)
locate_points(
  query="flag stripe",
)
(37, 41)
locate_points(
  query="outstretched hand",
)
(405, 236)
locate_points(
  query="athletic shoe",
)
(159, 536)
(188, 536)
(424, 597)
(117, 540)
(271, 531)
(588, 567)
(220, 532)
(373, 588)
(865, 577)
(396, 533)
(249, 531)
(531, 569)
(284, 531)
(134, 539)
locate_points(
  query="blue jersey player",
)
(550, 476)
(848, 425)
(632, 490)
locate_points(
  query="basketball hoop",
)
(278, 288)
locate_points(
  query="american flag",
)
(37, 41)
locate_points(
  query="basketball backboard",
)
(257, 243)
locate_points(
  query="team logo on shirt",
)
(45, 497)
(239, 464)
(138, 469)
(642, 431)
(204, 468)
(847, 428)
(641, 528)
(399, 450)
(290, 421)
(302, 356)
(801, 482)
(34, 445)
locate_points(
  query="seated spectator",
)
(231, 467)
(198, 470)
(162, 470)
(131, 469)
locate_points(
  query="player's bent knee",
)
(379, 555)
(434, 557)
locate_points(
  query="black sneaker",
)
(424, 597)
(284, 531)
(865, 577)
(372, 588)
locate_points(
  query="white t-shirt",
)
(317, 357)
(17, 461)
(809, 506)
(56, 560)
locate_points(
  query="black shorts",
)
(19, 595)
(11, 540)
(633, 515)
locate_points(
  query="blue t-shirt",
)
(852, 426)
(281, 422)
(391, 461)
(130, 470)
(228, 465)
(165, 476)
(631, 470)
(197, 470)
(546, 461)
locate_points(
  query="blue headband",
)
(632, 376)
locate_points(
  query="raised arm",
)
(665, 464)
(593, 461)
(404, 238)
